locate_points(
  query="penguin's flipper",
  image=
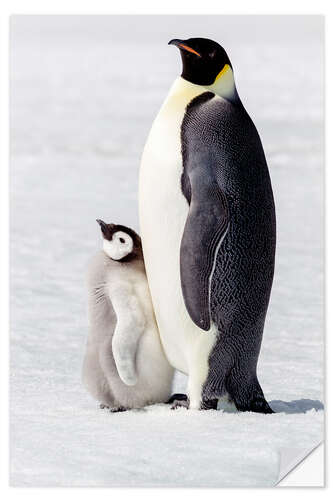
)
(128, 331)
(206, 225)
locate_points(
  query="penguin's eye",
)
(121, 240)
(212, 54)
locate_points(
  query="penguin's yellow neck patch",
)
(224, 84)
(222, 72)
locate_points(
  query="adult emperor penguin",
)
(207, 221)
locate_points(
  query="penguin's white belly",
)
(163, 213)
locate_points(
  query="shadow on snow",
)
(296, 406)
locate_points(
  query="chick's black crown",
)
(203, 59)
(108, 231)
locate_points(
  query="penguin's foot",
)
(180, 403)
(117, 409)
(176, 397)
(257, 406)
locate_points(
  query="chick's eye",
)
(121, 240)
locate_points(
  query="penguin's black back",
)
(220, 137)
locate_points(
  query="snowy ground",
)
(83, 96)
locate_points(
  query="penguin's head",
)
(206, 63)
(120, 242)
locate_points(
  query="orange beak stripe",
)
(186, 47)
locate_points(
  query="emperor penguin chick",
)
(124, 365)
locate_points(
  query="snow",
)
(84, 92)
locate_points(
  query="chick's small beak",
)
(182, 46)
(101, 223)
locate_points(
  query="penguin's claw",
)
(117, 409)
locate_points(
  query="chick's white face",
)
(120, 245)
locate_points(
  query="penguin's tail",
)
(247, 396)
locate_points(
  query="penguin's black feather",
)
(231, 211)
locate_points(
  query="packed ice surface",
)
(84, 92)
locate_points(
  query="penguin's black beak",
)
(103, 225)
(183, 46)
(101, 222)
